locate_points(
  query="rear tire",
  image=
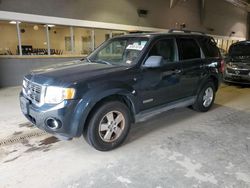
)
(205, 98)
(108, 126)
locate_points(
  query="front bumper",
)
(238, 79)
(64, 112)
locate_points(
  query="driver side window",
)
(164, 48)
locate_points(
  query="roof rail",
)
(185, 31)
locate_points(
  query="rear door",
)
(212, 64)
(192, 60)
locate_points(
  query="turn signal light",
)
(222, 66)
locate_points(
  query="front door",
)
(161, 85)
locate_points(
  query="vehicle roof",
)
(241, 42)
(162, 34)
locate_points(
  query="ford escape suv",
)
(127, 79)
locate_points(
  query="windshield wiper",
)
(103, 62)
(96, 61)
(86, 58)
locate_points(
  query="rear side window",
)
(188, 49)
(209, 47)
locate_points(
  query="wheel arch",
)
(215, 81)
(212, 78)
(123, 97)
(115, 97)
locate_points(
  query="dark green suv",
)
(126, 80)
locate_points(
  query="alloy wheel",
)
(208, 97)
(111, 126)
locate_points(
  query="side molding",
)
(147, 114)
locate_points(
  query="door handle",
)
(171, 72)
(177, 71)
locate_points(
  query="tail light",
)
(222, 66)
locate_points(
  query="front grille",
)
(33, 91)
(237, 71)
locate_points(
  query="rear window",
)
(209, 47)
(242, 49)
(188, 49)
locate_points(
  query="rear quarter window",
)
(209, 47)
(188, 49)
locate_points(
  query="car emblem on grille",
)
(28, 92)
(237, 72)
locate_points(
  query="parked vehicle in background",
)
(237, 68)
(223, 52)
(126, 80)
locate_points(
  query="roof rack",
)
(185, 31)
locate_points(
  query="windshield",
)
(120, 51)
(240, 50)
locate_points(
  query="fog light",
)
(53, 123)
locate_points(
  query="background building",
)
(41, 32)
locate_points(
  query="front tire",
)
(205, 98)
(109, 126)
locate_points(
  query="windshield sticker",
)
(143, 43)
(128, 61)
(136, 46)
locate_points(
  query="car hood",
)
(71, 72)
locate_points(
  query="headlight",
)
(55, 95)
(25, 83)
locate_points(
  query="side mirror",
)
(153, 61)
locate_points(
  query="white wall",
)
(220, 15)
(225, 18)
